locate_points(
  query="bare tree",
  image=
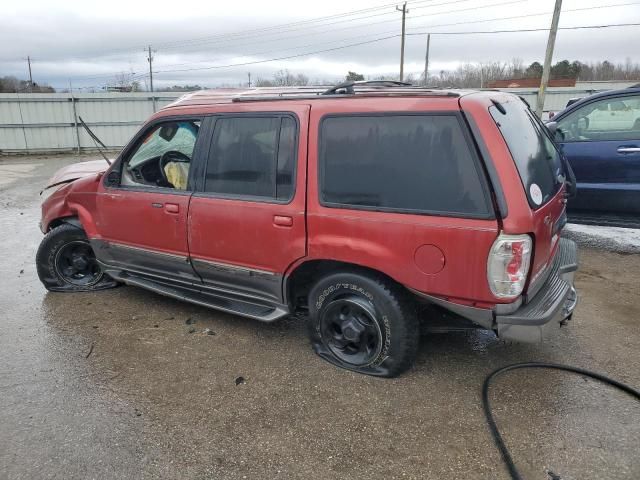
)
(284, 78)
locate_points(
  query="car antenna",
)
(96, 140)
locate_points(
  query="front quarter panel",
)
(75, 199)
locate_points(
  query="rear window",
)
(409, 163)
(535, 155)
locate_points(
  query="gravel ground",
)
(128, 384)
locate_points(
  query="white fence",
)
(48, 122)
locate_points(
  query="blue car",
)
(600, 137)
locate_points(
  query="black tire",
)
(66, 263)
(347, 310)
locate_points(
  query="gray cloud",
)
(89, 47)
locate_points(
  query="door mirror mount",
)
(113, 179)
(556, 133)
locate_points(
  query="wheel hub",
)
(350, 330)
(80, 262)
(76, 264)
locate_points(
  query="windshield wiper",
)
(95, 139)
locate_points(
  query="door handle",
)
(629, 150)
(283, 221)
(171, 208)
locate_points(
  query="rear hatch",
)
(541, 170)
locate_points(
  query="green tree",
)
(354, 77)
(534, 70)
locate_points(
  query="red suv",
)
(352, 208)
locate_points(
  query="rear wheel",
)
(363, 323)
(66, 262)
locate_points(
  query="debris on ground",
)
(191, 330)
(240, 380)
(189, 321)
(208, 331)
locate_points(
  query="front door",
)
(602, 143)
(247, 217)
(143, 203)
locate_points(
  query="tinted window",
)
(536, 157)
(252, 157)
(412, 163)
(607, 119)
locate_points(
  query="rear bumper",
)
(553, 303)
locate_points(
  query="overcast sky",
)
(88, 42)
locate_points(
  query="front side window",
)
(409, 163)
(163, 156)
(607, 119)
(252, 157)
(536, 157)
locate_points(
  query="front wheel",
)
(363, 323)
(66, 263)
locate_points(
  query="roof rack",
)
(351, 89)
(347, 87)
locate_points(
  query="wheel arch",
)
(73, 220)
(299, 280)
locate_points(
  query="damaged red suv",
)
(363, 210)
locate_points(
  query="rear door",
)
(247, 217)
(602, 143)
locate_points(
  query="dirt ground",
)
(113, 384)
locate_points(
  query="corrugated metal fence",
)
(48, 122)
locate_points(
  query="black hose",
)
(504, 451)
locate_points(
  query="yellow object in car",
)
(177, 173)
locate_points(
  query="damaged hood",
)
(75, 171)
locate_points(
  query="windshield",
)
(536, 156)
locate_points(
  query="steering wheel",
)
(170, 156)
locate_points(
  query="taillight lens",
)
(508, 265)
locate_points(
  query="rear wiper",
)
(95, 139)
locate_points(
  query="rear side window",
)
(252, 157)
(535, 155)
(410, 163)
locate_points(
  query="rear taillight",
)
(508, 265)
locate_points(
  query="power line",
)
(527, 15)
(132, 49)
(288, 57)
(352, 37)
(302, 24)
(383, 33)
(281, 58)
(525, 30)
(289, 37)
(513, 17)
(480, 32)
(363, 25)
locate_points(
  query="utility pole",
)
(153, 97)
(546, 70)
(249, 73)
(30, 77)
(426, 61)
(404, 15)
(75, 117)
